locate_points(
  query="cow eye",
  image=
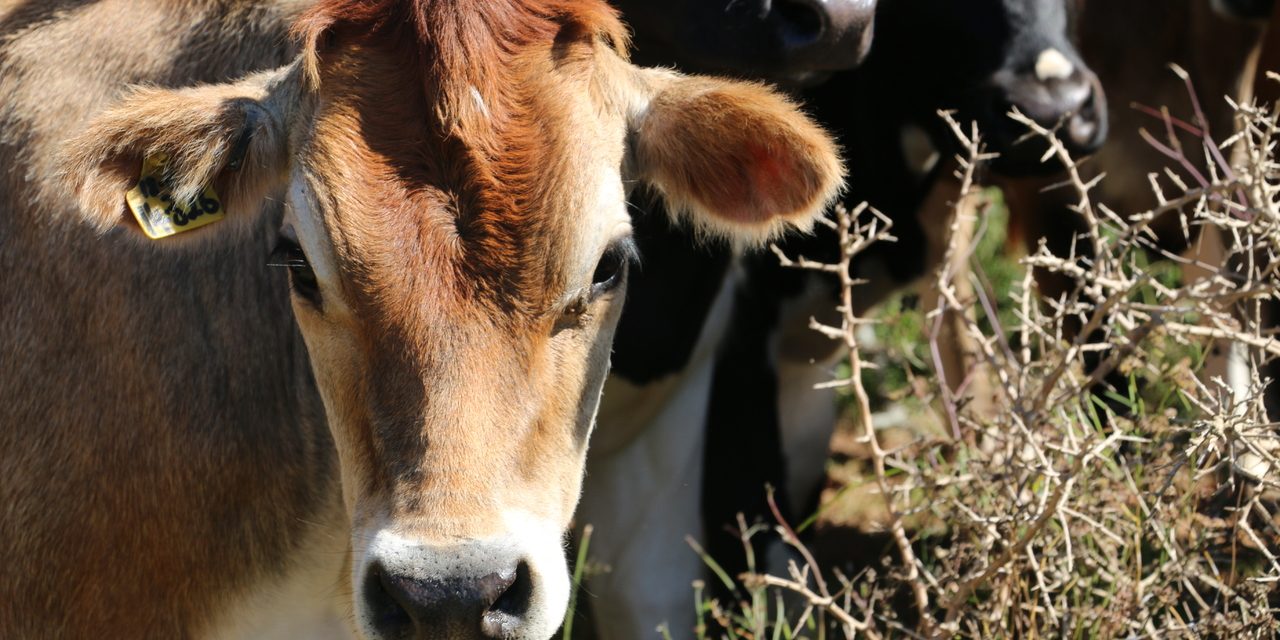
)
(612, 267)
(289, 255)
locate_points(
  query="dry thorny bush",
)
(1149, 511)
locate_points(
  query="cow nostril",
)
(388, 615)
(511, 606)
(1088, 109)
(515, 600)
(820, 35)
(400, 604)
(1085, 128)
(801, 22)
(1082, 133)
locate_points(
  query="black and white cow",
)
(1125, 47)
(981, 58)
(711, 392)
(644, 469)
(1130, 45)
(790, 42)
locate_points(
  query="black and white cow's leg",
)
(1271, 368)
(744, 450)
(645, 461)
(804, 359)
(766, 424)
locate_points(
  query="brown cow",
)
(190, 450)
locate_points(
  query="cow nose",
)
(824, 34)
(401, 604)
(1059, 91)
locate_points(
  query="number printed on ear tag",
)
(159, 216)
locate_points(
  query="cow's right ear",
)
(206, 152)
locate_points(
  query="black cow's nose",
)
(406, 606)
(823, 34)
(1055, 91)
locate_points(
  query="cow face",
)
(988, 57)
(789, 41)
(457, 240)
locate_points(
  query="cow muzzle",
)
(826, 35)
(500, 588)
(1056, 93)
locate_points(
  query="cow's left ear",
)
(734, 158)
(182, 158)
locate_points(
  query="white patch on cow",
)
(480, 103)
(1253, 466)
(307, 601)
(1242, 382)
(1052, 65)
(644, 470)
(918, 150)
(803, 359)
(642, 496)
(1239, 374)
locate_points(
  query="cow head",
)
(988, 57)
(789, 41)
(457, 238)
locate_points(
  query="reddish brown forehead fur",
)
(503, 154)
(463, 42)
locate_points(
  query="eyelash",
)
(610, 272)
(302, 278)
(612, 266)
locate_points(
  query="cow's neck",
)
(171, 385)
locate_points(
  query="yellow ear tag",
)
(159, 216)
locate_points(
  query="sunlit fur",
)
(452, 171)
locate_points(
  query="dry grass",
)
(1040, 504)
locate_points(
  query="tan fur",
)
(171, 443)
(760, 175)
(138, 496)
